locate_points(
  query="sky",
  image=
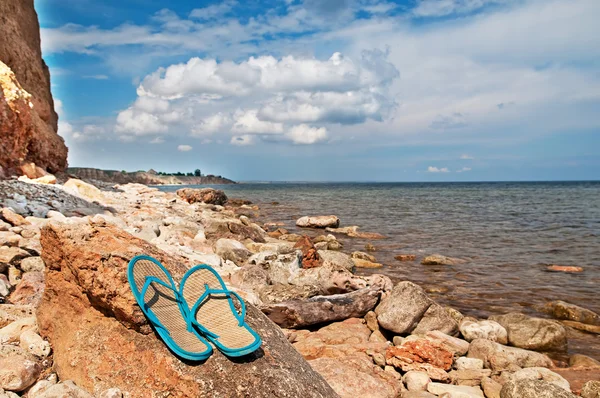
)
(329, 90)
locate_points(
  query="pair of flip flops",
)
(200, 312)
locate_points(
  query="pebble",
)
(416, 381)
(12, 332)
(18, 373)
(33, 342)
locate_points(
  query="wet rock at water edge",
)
(318, 221)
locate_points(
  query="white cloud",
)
(184, 148)
(248, 122)
(211, 125)
(157, 140)
(213, 11)
(466, 157)
(243, 140)
(306, 135)
(440, 8)
(96, 77)
(432, 169)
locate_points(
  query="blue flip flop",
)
(165, 308)
(214, 313)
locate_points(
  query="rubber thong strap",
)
(228, 293)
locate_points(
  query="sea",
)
(509, 232)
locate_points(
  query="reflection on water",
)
(508, 231)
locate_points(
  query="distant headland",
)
(149, 177)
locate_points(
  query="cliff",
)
(143, 177)
(28, 122)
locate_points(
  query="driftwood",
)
(321, 309)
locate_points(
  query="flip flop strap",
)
(149, 281)
(228, 293)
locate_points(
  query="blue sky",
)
(336, 90)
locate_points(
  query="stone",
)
(527, 388)
(29, 290)
(204, 195)
(252, 232)
(490, 387)
(11, 256)
(321, 309)
(9, 239)
(14, 275)
(469, 377)
(533, 333)
(564, 268)
(455, 314)
(498, 357)
(472, 329)
(360, 263)
(371, 320)
(250, 277)
(571, 312)
(232, 250)
(377, 337)
(404, 307)
(17, 373)
(584, 327)
(111, 393)
(34, 344)
(591, 389)
(101, 339)
(310, 256)
(336, 259)
(417, 394)
(4, 287)
(416, 381)
(436, 318)
(10, 313)
(456, 346)
(12, 218)
(542, 374)
(318, 221)
(279, 293)
(370, 247)
(405, 257)
(32, 264)
(353, 232)
(84, 191)
(583, 361)
(419, 352)
(11, 332)
(64, 389)
(454, 391)
(397, 340)
(363, 256)
(463, 363)
(438, 259)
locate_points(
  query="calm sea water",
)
(508, 232)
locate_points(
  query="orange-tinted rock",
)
(419, 351)
(310, 255)
(12, 218)
(205, 195)
(91, 319)
(406, 257)
(29, 290)
(564, 268)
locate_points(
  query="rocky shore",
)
(69, 326)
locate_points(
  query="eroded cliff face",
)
(27, 134)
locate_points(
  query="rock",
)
(469, 377)
(582, 326)
(11, 256)
(4, 287)
(354, 233)
(111, 393)
(11, 332)
(280, 268)
(359, 263)
(419, 355)
(32, 264)
(250, 277)
(454, 391)
(84, 191)
(47, 179)
(336, 259)
(101, 339)
(438, 259)
(582, 361)
(463, 363)
(498, 357)
(34, 344)
(310, 256)
(472, 329)
(363, 256)
(279, 293)
(416, 381)
(353, 377)
(321, 309)
(14, 275)
(9, 239)
(204, 195)
(370, 248)
(402, 310)
(377, 337)
(232, 250)
(417, 394)
(455, 345)
(436, 318)
(10, 313)
(533, 389)
(29, 290)
(252, 231)
(397, 340)
(371, 320)
(64, 389)
(490, 387)
(591, 389)
(542, 374)
(571, 312)
(577, 377)
(564, 268)
(533, 333)
(17, 373)
(406, 257)
(318, 222)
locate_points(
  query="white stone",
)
(454, 391)
(33, 342)
(464, 363)
(416, 381)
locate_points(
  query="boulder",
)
(456, 346)
(32, 264)
(490, 387)
(318, 222)
(279, 293)
(417, 394)
(18, 372)
(533, 333)
(583, 361)
(464, 363)
(438, 259)
(421, 355)
(11, 332)
(405, 257)
(498, 357)
(454, 391)
(363, 256)
(84, 191)
(472, 329)
(564, 268)
(469, 377)
(436, 318)
(64, 389)
(12, 218)
(416, 381)
(353, 232)
(332, 258)
(204, 195)
(542, 374)
(360, 263)
(232, 250)
(591, 389)
(321, 309)
(29, 290)
(571, 312)
(101, 339)
(533, 389)
(34, 344)
(584, 327)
